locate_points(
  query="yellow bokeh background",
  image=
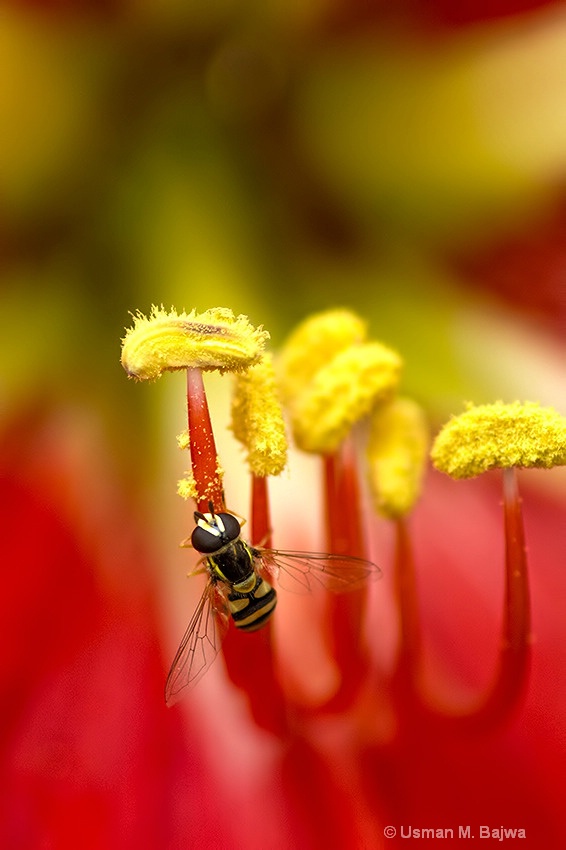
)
(261, 157)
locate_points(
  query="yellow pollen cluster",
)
(257, 418)
(184, 440)
(500, 435)
(313, 343)
(187, 488)
(397, 450)
(212, 340)
(331, 378)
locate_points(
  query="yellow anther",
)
(186, 488)
(312, 344)
(257, 418)
(215, 339)
(500, 435)
(343, 391)
(397, 453)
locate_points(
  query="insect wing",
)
(200, 643)
(300, 572)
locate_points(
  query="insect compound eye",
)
(231, 527)
(205, 541)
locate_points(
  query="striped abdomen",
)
(250, 609)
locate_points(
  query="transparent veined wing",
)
(201, 642)
(300, 572)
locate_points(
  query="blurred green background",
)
(276, 157)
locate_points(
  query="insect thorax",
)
(233, 564)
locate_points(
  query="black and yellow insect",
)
(240, 587)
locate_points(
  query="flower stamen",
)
(347, 611)
(217, 340)
(257, 418)
(397, 454)
(507, 436)
(331, 378)
(495, 436)
(213, 340)
(343, 391)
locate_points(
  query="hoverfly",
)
(240, 586)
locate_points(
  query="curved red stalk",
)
(345, 537)
(261, 531)
(327, 792)
(514, 657)
(204, 461)
(342, 503)
(407, 606)
(513, 665)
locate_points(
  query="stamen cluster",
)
(331, 378)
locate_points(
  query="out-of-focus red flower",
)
(90, 757)
(431, 774)
(167, 159)
(526, 269)
(451, 13)
(357, 752)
